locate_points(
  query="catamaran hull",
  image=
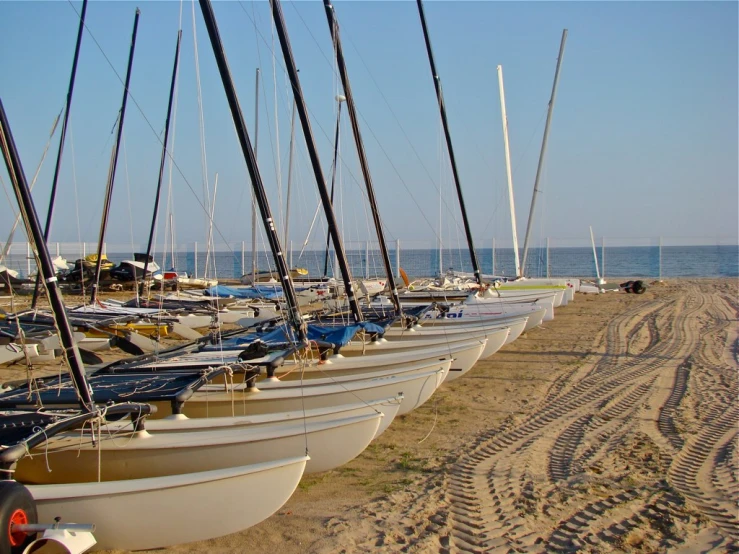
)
(195, 321)
(233, 316)
(336, 365)
(95, 344)
(493, 312)
(491, 306)
(71, 459)
(496, 336)
(143, 514)
(465, 354)
(465, 362)
(528, 294)
(388, 407)
(416, 388)
(11, 352)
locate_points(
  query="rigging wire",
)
(33, 183)
(203, 150)
(148, 122)
(318, 124)
(130, 216)
(169, 191)
(77, 210)
(169, 213)
(276, 149)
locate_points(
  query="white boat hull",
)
(233, 316)
(493, 308)
(493, 315)
(95, 344)
(497, 336)
(336, 365)
(142, 514)
(493, 304)
(71, 458)
(464, 355)
(463, 360)
(195, 321)
(388, 407)
(11, 352)
(416, 388)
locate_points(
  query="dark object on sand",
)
(637, 287)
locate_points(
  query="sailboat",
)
(335, 364)
(185, 500)
(168, 446)
(476, 299)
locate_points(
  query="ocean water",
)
(616, 261)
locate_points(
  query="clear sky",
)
(643, 141)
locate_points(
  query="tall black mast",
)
(313, 153)
(334, 26)
(164, 152)
(70, 90)
(114, 162)
(294, 317)
(442, 110)
(28, 210)
(333, 179)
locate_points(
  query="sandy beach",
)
(612, 428)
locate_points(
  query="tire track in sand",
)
(498, 499)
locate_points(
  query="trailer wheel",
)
(638, 287)
(626, 287)
(17, 506)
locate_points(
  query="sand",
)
(612, 428)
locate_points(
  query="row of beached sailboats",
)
(209, 438)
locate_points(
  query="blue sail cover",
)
(338, 335)
(341, 334)
(270, 291)
(222, 291)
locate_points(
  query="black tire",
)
(16, 506)
(638, 287)
(626, 287)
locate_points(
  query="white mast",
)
(504, 117)
(595, 255)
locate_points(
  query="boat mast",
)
(335, 35)
(11, 234)
(171, 239)
(294, 316)
(504, 117)
(315, 162)
(442, 110)
(289, 180)
(114, 162)
(543, 148)
(595, 254)
(46, 268)
(253, 200)
(57, 167)
(339, 100)
(164, 152)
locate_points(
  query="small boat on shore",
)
(179, 508)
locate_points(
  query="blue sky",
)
(643, 140)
